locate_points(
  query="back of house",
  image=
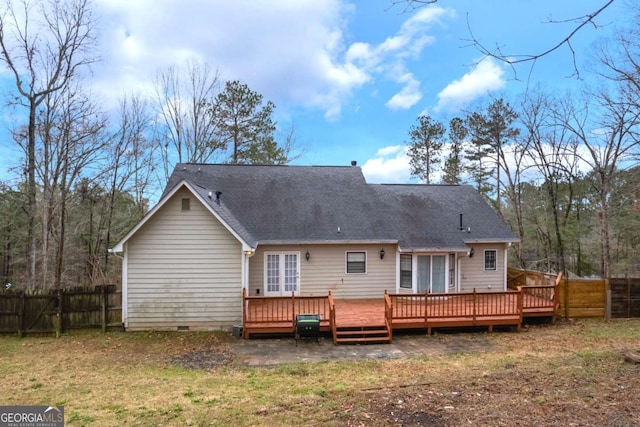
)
(302, 230)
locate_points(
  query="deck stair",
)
(360, 334)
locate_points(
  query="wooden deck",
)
(375, 320)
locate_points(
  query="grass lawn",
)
(572, 373)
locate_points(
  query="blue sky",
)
(352, 76)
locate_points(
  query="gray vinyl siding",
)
(473, 274)
(184, 269)
(326, 270)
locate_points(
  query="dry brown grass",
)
(573, 373)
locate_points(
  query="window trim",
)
(452, 270)
(346, 263)
(495, 260)
(410, 271)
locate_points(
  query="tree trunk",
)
(31, 196)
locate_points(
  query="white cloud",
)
(487, 76)
(390, 166)
(388, 151)
(409, 96)
(292, 52)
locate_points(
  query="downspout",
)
(504, 267)
(246, 254)
(124, 258)
(458, 273)
(397, 270)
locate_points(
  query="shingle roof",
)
(306, 204)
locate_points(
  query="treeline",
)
(85, 173)
(561, 169)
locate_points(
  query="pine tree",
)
(426, 145)
(453, 166)
(245, 126)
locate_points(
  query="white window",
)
(490, 259)
(406, 271)
(356, 262)
(452, 270)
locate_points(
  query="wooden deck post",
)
(293, 309)
(426, 306)
(474, 306)
(520, 307)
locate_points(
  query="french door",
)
(432, 273)
(281, 273)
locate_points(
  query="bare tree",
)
(43, 44)
(609, 137)
(552, 154)
(187, 131)
(289, 144)
(513, 59)
(70, 140)
(132, 159)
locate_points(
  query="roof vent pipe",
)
(354, 163)
(218, 194)
(461, 227)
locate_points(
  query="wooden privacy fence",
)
(624, 297)
(576, 297)
(48, 311)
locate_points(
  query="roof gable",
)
(167, 195)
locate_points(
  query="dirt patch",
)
(207, 359)
(603, 392)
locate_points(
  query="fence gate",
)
(625, 297)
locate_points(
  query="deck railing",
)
(278, 314)
(476, 308)
(407, 311)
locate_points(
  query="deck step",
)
(362, 334)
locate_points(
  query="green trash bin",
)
(307, 326)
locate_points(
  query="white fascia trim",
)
(119, 247)
(327, 242)
(432, 250)
(514, 240)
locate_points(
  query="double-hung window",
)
(406, 271)
(490, 259)
(356, 262)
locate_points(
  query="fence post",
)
(103, 297)
(59, 313)
(607, 308)
(566, 298)
(21, 315)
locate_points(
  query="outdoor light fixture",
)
(382, 253)
(307, 255)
